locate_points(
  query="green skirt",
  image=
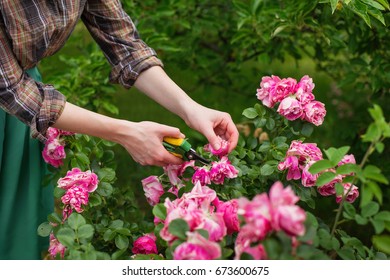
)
(24, 202)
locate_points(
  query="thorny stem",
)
(340, 209)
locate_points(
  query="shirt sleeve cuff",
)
(52, 106)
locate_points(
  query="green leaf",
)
(121, 242)
(117, 254)
(250, 113)
(160, 211)
(384, 3)
(347, 169)
(370, 209)
(349, 210)
(360, 220)
(54, 218)
(361, 10)
(339, 189)
(116, 224)
(374, 173)
(260, 109)
(325, 178)
(373, 4)
(44, 229)
(379, 147)
(109, 234)
(279, 29)
(372, 134)
(383, 216)
(179, 228)
(105, 189)
(83, 158)
(85, 231)
(336, 155)
(377, 14)
(106, 175)
(320, 166)
(267, 170)
(94, 199)
(333, 4)
(375, 190)
(66, 236)
(307, 129)
(346, 253)
(124, 231)
(75, 220)
(382, 243)
(270, 124)
(379, 226)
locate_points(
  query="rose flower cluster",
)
(301, 156)
(54, 151)
(296, 99)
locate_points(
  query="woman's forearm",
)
(157, 85)
(79, 120)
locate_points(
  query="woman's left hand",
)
(212, 123)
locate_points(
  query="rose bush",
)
(258, 202)
(335, 36)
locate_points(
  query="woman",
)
(31, 30)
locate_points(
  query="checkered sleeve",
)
(34, 103)
(117, 36)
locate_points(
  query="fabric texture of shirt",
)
(31, 30)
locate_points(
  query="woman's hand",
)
(212, 123)
(143, 141)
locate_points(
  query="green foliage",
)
(228, 45)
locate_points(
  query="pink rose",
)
(305, 152)
(229, 211)
(329, 188)
(351, 193)
(197, 248)
(87, 180)
(214, 224)
(308, 179)
(74, 198)
(257, 209)
(279, 196)
(201, 195)
(314, 112)
(201, 175)
(291, 163)
(304, 90)
(173, 172)
(290, 219)
(257, 251)
(145, 245)
(222, 151)
(52, 133)
(56, 247)
(347, 159)
(290, 108)
(54, 152)
(153, 189)
(267, 88)
(284, 88)
(221, 170)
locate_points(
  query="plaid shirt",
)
(31, 30)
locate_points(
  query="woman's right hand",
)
(143, 141)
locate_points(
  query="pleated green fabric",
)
(24, 201)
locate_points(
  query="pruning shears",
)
(181, 148)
